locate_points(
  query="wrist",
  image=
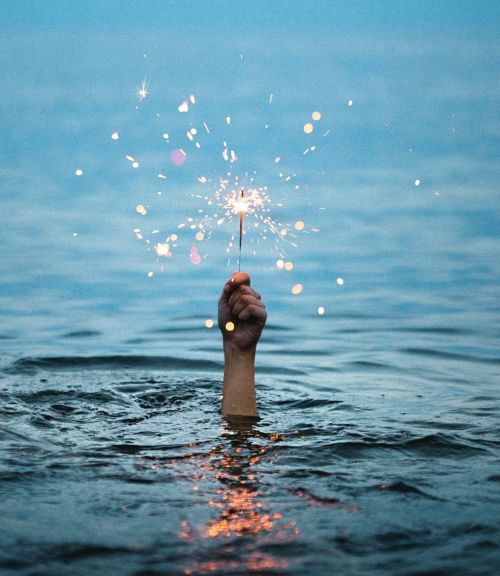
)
(231, 349)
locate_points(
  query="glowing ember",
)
(229, 326)
(209, 323)
(200, 236)
(142, 90)
(289, 266)
(308, 128)
(297, 289)
(280, 264)
(184, 107)
(316, 116)
(299, 225)
(163, 249)
(178, 157)
(141, 210)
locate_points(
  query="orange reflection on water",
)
(242, 511)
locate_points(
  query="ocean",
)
(377, 448)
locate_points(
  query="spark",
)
(142, 90)
(299, 225)
(163, 249)
(78, 172)
(321, 310)
(297, 289)
(308, 128)
(340, 281)
(209, 323)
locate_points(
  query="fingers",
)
(236, 280)
(255, 311)
(241, 291)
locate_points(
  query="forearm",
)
(238, 394)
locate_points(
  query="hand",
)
(242, 306)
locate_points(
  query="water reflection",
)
(243, 521)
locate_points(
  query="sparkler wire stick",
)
(242, 194)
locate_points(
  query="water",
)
(377, 448)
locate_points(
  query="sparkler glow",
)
(226, 195)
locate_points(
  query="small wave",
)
(32, 365)
(322, 501)
(433, 445)
(450, 355)
(82, 334)
(404, 488)
(308, 403)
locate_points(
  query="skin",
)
(242, 305)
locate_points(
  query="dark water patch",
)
(32, 365)
(450, 355)
(394, 540)
(66, 553)
(58, 397)
(82, 334)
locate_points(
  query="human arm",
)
(242, 316)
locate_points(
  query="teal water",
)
(377, 450)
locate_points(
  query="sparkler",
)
(242, 206)
(228, 196)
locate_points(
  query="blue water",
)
(377, 451)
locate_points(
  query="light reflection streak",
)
(243, 522)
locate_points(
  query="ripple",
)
(450, 355)
(33, 365)
(82, 334)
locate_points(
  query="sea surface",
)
(377, 450)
